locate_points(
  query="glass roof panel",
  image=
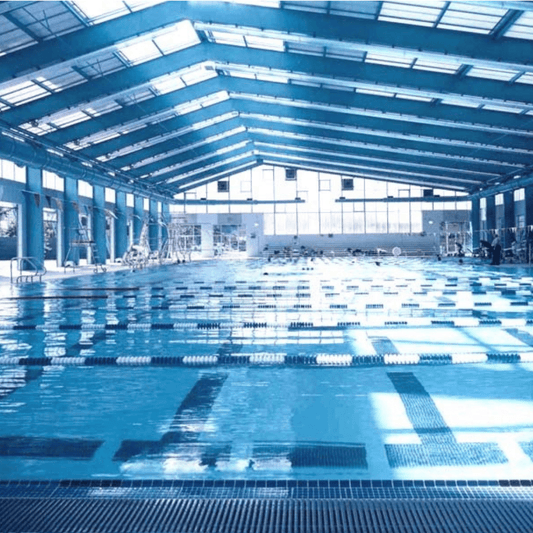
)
(181, 36)
(198, 74)
(265, 43)
(492, 74)
(411, 12)
(392, 61)
(23, 92)
(526, 78)
(459, 102)
(367, 10)
(475, 19)
(414, 97)
(71, 119)
(140, 52)
(222, 37)
(435, 66)
(100, 10)
(40, 129)
(522, 28)
(375, 92)
(503, 109)
(272, 78)
(168, 84)
(241, 74)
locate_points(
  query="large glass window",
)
(327, 207)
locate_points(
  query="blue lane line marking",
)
(439, 446)
(193, 411)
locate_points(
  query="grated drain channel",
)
(32, 515)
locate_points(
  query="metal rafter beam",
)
(80, 46)
(129, 80)
(282, 134)
(150, 109)
(203, 176)
(390, 128)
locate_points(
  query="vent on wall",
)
(223, 186)
(290, 174)
(347, 184)
(427, 192)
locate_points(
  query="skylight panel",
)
(265, 43)
(459, 102)
(523, 28)
(413, 97)
(273, 78)
(198, 74)
(435, 66)
(503, 109)
(183, 35)
(411, 13)
(23, 92)
(100, 108)
(188, 107)
(140, 52)
(169, 84)
(337, 87)
(392, 61)
(492, 74)
(526, 78)
(474, 19)
(233, 39)
(100, 10)
(376, 92)
(40, 129)
(242, 74)
(71, 119)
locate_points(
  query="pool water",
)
(326, 369)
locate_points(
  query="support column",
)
(71, 221)
(476, 224)
(165, 219)
(121, 225)
(529, 205)
(138, 218)
(491, 213)
(153, 228)
(509, 222)
(33, 220)
(99, 224)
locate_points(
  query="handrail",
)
(38, 271)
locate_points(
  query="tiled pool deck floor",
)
(404, 315)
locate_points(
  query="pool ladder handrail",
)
(24, 274)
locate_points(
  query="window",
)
(110, 195)
(347, 184)
(130, 202)
(53, 181)
(146, 204)
(519, 194)
(498, 199)
(11, 171)
(223, 186)
(85, 189)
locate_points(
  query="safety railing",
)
(26, 269)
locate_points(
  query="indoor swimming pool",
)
(334, 369)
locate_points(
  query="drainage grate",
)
(274, 515)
